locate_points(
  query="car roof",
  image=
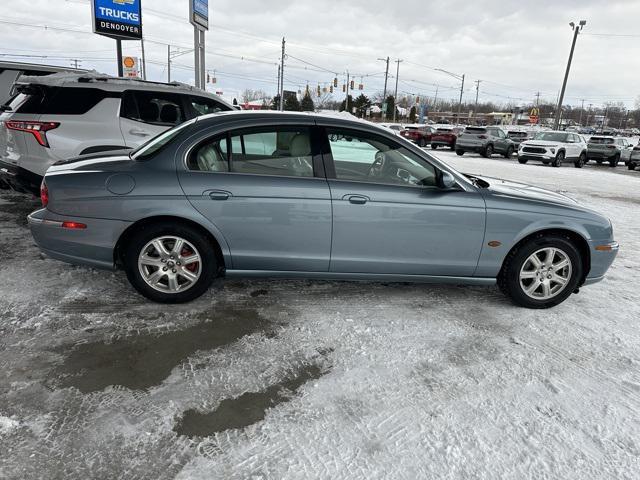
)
(112, 84)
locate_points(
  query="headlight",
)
(553, 150)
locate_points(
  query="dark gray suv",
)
(486, 141)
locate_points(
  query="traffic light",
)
(360, 86)
(344, 88)
(330, 88)
(319, 93)
(351, 84)
(335, 82)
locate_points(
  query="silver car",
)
(301, 195)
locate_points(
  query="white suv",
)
(554, 148)
(61, 116)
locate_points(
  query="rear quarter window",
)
(62, 100)
(475, 130)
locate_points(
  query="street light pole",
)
(461, 78)
(576, 31)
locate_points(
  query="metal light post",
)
(576, 30)
(395, 96)
(461, 78)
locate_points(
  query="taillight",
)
(74, 225)
(44, 193)
(37, 129)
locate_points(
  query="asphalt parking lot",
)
(305, 379)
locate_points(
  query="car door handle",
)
(219, 195)
(356, 199)
(139, 133)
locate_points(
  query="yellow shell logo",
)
(124, 2)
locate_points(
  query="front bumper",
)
(93, 246)
(603, 253)
(18, 179)
(542, 157)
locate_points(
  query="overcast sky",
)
(515, 47)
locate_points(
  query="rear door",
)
(264, 189)
(388, 215)
(145, 114)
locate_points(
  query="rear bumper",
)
(470, 147)
(93, 246)
(19, 179)
(601, 155)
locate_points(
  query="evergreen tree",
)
(275, 103)
(362, 103)
(391, 106)
(344, 107)
(412, 115)
(291, 103)
(307, 104)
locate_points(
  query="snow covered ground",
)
(302, 379)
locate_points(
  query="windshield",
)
(153, 146)
(475, 130)
(552, 136)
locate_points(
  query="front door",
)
(263, 191)
(389, 217)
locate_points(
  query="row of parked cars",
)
(549, 147)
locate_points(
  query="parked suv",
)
(418, 134)
(518, 136)
(445, 137)
(609, 149)
(554, 147)
(485, 141)
(64, 115)
(634, 158)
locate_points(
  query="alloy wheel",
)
(545, 273)
(170, 264)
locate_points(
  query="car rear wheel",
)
(614, 161)
(453, 146)
(582, 159)
(459, 152)
(422, 142)
(541, 273)
(557, 162)
(170, 263)
(631, 166)
(509, 152)
(488, 151)
(434, 147)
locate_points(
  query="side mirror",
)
(447, 181)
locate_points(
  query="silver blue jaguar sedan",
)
(309, 196)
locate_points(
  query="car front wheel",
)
(582, 159)
(170, 263)
(541, 273)
(459, 152)
(614, 161)
(557, 162)
(422, 142)
(509, 152)
(434, 147)
(631, 165)
(488, 151)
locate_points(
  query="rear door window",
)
(205, 106)
(156, 108)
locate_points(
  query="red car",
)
(420, 135)
(445, 137)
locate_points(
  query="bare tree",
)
(249, 95)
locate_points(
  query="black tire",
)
(582, 159)
(509, 152)
(614, 161)
(599, 162)
(509, 277)
(545, 162)
(631, 166)
(488, 151)
(422, 142)
(453, 146)
(434, 147)
(557, 162)
(459, 152)
(522, 160)
(208, 263)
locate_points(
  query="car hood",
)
(541, 143)
(524, 191)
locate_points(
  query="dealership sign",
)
(199, 13)
(118, 18)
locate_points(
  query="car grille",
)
(534, 150)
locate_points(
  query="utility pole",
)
(144, 60)
(460, 102)
(581, 110)
(386, 78)
(346, 100)
(278, 80)
(119, 55)
(282, 76)
(168, 63)
(537, 95)
(435, 99)
(475, 108)
(395, 95)
(576, 31)
(76, 63)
